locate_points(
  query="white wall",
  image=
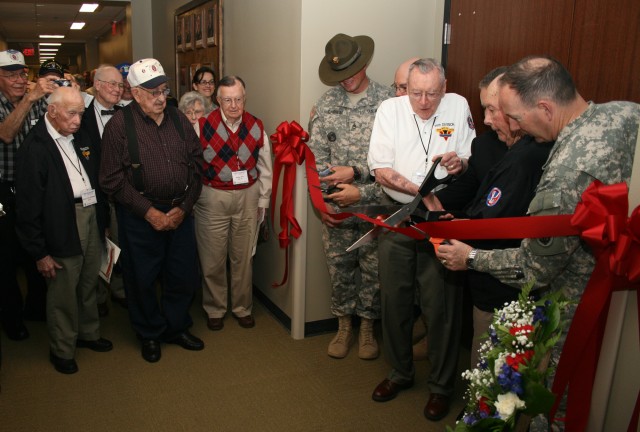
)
(276, 46)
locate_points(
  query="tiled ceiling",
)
(21, 23)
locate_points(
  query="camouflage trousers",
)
(348, 297)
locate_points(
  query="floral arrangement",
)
(509, 380)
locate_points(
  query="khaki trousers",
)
(72, 311)
(225, 222)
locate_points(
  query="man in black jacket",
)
(504, 170)
(61, 216)
(108, 85)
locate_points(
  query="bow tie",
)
(108, 112)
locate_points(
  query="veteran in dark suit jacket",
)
(108, 86)
(61, 215)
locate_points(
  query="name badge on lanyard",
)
(89, 197)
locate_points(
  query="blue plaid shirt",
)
(8, 150)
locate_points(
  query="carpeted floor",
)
(256, 379)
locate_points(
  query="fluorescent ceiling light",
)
(51, 36)
(50, 44)
(89, 7)
(53, 50)
(77, 25)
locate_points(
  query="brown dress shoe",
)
(387, 390)
(246, 321)
(215, 324)
(437, 407)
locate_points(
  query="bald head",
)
(65, 109)
(402, 76)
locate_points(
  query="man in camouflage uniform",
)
(340, 126)
(593, 142)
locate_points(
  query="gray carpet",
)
(256, 379)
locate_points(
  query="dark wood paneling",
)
(490, 33)
(605, 49)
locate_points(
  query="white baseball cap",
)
(147, 73)
(11, 60)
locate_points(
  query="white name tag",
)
(89, 197)
(240, 177)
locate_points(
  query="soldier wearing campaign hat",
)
(22, 104)
(340, 127)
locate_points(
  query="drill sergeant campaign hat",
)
(344, 57)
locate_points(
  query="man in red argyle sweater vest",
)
(236, 191)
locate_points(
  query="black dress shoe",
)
(246, 321)
(387, 390)
(151, 350)
(98, 345)
(187, 341)
(215, 324)
(65, 366)
(437, 407)
(103, 309)
(122, 301)
(16, 330)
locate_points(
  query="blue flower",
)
(510, 380)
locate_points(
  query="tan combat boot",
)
(339, 346)
(368, 346)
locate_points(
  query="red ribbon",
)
(289, 148)
(614, 238)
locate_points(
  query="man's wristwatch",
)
(471, 258)
(357, 175)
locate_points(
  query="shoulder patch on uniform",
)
(493, 197)
(470, 123)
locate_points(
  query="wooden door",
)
(597, 40)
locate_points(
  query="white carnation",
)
(507, 404)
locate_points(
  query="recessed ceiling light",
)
(51, 36)
(89, 7)
(77, 25)
(48, 50)
(49, 44)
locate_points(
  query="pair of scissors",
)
(404, 211)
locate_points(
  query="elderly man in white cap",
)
(151, 167)
(340, 127)
(22, 103)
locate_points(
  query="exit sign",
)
(28, 52)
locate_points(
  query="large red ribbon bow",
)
(290, 150)
(614, 238)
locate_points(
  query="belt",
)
(172, 202)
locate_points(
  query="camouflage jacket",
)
(600, 145)
(340, 133)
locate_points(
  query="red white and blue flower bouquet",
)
(508, 383)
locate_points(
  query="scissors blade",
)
(405, 211)
(367, 238)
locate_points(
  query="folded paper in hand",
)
(110, 255)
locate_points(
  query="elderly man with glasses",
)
(409, 132)
(236, 191)
(151, 167)
(22, 103)
(108, 91)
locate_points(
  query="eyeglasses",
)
(230, 101)
(16, 76)
(417, 95)
(194, 113)
(157, 93)
(206, 83)
(112, 84)
(397, 87)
